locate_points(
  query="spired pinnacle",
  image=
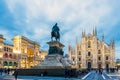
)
(55, 33)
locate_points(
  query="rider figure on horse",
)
(55, 28)
(55, 32)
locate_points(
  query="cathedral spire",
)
(77, 44)
(83, 33)
(103, 37)
(112, 43)
(94, 31)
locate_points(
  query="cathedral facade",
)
(91, 53)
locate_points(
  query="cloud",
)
(6, 34)
(35, 19)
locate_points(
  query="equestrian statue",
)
(55, 33)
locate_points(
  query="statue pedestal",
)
(51, 62)
(55, 47)
(53, 59)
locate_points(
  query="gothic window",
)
(99, 52)
(79, 59)
(89, 53)
(89, 44)
(106, 57)
(79, 52)
(99, 58)
(73, 59)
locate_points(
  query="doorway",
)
(89, 65)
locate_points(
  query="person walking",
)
(5, 70)
(1, 70)
(8, 71)
(16, 74)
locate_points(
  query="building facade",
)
(92, 53)
(27, 50)
(7, 56)
(42, 55)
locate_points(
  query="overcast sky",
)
(35, 18)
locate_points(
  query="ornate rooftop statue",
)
(55, 32)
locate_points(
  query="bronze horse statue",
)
(55, 33)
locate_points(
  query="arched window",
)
(89, 44)
(6, 55)
(89, 53)
(5, 63)
(10, 63)
(15, 64)
(10, 55)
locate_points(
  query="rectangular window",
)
(4, 48)
(7, 49)
(106, 57)
(89, 53)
